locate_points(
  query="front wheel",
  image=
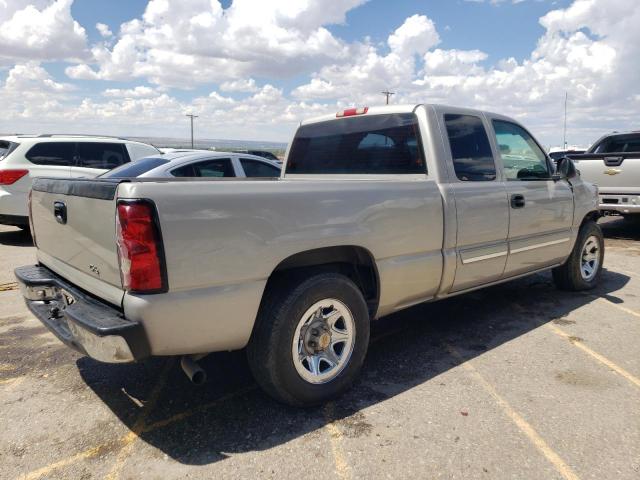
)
(583, 269)
(310, 339)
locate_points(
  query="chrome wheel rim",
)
(590, 258)
(323, 341)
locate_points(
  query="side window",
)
(521, 156)
(104, 156)
(220, 167)
(52, 153)
(470, 148)
(255, 168)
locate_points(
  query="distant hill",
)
(206, 143)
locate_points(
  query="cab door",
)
(482, 212)
(540, 208)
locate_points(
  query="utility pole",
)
(566, 96)
(191, 116)
(388, 94)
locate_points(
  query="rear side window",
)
(6, 148)
(255, 168)
(629, 143)
(377, 144)
(220, 167)
(139, 150)
(470, 148)
(100, 155)
(134, 169)
(52, 153)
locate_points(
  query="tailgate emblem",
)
(612, 171)
(94, 269)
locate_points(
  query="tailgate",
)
(612, 172)
(75, 231)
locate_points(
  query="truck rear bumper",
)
(622, 203)
(90, 326)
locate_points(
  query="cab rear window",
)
(376, 144)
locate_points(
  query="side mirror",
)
(566, 169)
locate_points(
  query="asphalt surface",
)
(516, 381)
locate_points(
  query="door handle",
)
(517, 201)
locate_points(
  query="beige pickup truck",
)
(377, 209)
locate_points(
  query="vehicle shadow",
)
(197, 425)
(15, 237)
(619, 228)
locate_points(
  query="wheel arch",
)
(591, 216)
(355, 262)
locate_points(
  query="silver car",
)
(199, 165)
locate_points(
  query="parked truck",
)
(613, 164)
(377, 209)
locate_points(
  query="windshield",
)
(135, 169)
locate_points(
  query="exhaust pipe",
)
(192, 370)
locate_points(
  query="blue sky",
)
(256, 68)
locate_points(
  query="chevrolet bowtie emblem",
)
(612, 171)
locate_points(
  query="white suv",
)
(24, 157)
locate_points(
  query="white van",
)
(25, 157)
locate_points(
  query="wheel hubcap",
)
(590, 258)
(323, 341)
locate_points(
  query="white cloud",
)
(241, 85)
(589, 49)
(104, 30)
(136, 92)
(251, 37)
(414, 37)
(39, 30)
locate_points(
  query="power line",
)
(388, 94)
(191, 116)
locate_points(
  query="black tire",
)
(270, 349)
(569, 276)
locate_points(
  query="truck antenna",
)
(564, 142)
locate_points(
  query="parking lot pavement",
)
(516, 381)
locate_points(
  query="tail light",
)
(29, 208)
(140, 251)
(9, 177)
(350, 112)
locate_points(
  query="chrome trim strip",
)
(540, 245)
(483, 257)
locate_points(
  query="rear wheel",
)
(310, 339)
(583, 268)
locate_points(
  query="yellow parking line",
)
(138, 426)
(199, 409)
(602, 359)
(560, 465)
(11, 382)
(609, 303)
(5, 287)
(343, 470)
(41, 472)
(128, 439)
